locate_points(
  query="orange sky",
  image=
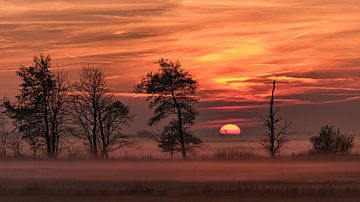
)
(233, 47)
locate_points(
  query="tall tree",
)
(85, 102)
(39, 103)
(97, 115)
(276, 136)
(172, 92)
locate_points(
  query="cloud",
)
(233, 48)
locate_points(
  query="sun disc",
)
(230, 129)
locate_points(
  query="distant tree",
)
(97, 116)
(172, 92)
(276, 136)
(3, 144)
(35, 143)
(3, 135)
(40, 104)
(144, 134)
(169, 140)
(16, 144)
(331, 141)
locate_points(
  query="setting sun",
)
(230, 129)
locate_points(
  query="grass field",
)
(249, 180)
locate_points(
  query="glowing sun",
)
(230, 129)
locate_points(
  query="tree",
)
(276, 136)
(15, 144)
(3, 144)
(169, 140)
(331, 141)
(97, 115)
(172, 92)
(112, 117)
(3, 135)
(39, 104)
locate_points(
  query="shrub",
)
(331, 141)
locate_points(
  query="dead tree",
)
(276, 135)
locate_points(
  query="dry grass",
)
(181, 191)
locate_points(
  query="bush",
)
(331, 141)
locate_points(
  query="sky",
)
(234, 48)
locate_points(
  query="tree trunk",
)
(181, 131)
(103, 139)
(272, 124)
(94, 137)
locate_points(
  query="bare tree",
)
(16, 144)
(113, 115)
(97, 116)
(276, 136)
(85, 101)
(59, 109)
(3, 144)
(3, 134)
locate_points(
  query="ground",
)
(243, 180)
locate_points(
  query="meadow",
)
(269, 180)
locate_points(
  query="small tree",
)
(276, 136)
(172, 92)
(3, 134)
(16, 144)
(331, 141)
(3, 144)
(169, 140)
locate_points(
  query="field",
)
(245, 180)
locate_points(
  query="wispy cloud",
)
(234, 48)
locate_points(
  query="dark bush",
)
(331, 141)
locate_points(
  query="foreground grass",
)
(243, 198)
(180, 191)
(278, 180)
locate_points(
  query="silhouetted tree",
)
(3, 135)
(97, 115)
(169, 140)
(112, 117)
(16, 144)
(3, 144)
(172, 92)
(40, 104)
(276, 136)
(331, 141)
(85, 103)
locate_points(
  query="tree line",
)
(49, 109)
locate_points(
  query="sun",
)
(230, 129)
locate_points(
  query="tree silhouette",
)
(85, 101)
(172, 92)
(331, 141)
(112, 117)
(96, 116)
(40, 104)
(276, 136)
(169, 140)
